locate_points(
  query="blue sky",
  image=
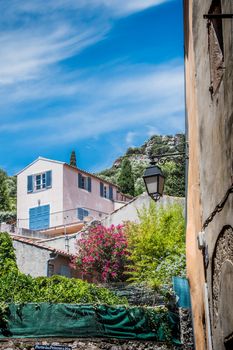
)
(96, 76)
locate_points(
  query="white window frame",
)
(84, 182)
(41, 184)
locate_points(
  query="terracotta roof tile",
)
(40, 245)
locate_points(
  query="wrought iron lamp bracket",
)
(164, 158)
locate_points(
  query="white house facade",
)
(51, 193)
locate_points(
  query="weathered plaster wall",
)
(75, 197)
(210, 121)
(52, 196)
(63, 243)
(195, 271)
(129, 212)
(33, 260)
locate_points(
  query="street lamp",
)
(154, 177)
(154, 181)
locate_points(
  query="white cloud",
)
(130, 136)
(150, 96)
(35, 36)
(152, 130)
(27, 56)
(115, 7)
(126, 7)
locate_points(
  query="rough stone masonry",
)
(86, 344)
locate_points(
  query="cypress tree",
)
(126, 178)
(73, 159)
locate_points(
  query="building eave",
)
(31, 242)
(91, 174)
(36, 160)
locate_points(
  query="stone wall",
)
(87, 344)
(209, 101)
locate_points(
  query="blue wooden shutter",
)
(110, 192)
(80, 214)
(39, 217)
(85, 212)
(101, 189)
(49, 178)
(79, 180)
(30, 184)
(89, 184)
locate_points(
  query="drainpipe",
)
(67, 247)
(53, 257)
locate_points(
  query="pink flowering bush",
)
(102, 254)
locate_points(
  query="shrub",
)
(16, 287)
(157, 241)
(102, 254)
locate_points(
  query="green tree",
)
(7, 254)
(11, 182)
(73, 159)
(4, 193)
(174, 178)
(174, 171)
(126, 178)
(155, 242)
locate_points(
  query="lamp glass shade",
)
(154, 181)
(152, 184)
(161, 185)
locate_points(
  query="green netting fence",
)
(73, 320)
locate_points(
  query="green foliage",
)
(8, 216)
(8, 191)
(73, 161)
(134, 150)
(11, 183)
(172, 265)
(174, 178)
(126, 178)
(19, 288)
(111, 175)
(16, 287)
(7, 254)
(4, 194)
(157, 240)
(139, 157)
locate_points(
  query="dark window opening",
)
(228, 342)
(50, 270)
(84, 182)
(215, 44)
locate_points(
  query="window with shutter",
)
(39, 182)
(30, 184)
(84, 182)
(89, 184)
(82, 213)
(49, 179)
(80, 180)
(110, 192)
(85, 213)
(101, 189)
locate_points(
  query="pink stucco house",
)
(51, 193)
